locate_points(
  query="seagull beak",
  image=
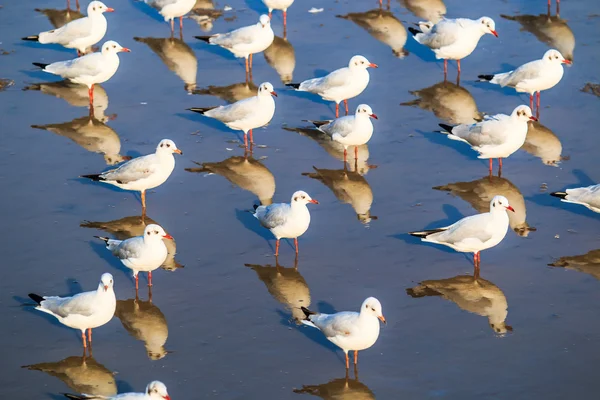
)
(167, 397)
(373, 65)
(274, 93)
(167, 236)
(494, 33)
(510, 208)
(313, 201)
(565, 61)
(126, 50)
(109, 9)
(382, 319)
(106, 288)
(532, 118)
(373, 116)
(178, 152)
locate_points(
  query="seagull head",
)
(523, 113)
(364, 110)
(501, 328)
(301, 197)
(488, 25)
(167, 146)
(155, 232)
(266, 89)
(372, 307)
(157, 390)
(112, 47)
(106, 282)
(360, 62)
(98, 7)
(264, 21)
(500, 203)
(554, 56)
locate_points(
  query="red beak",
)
(105, 288)
(373, 65)
(167, 397)
(373, 116)
(273, 93)
(126, 50)
(167, 236)
(178, 151)
(109, 9)
(567, 62)
(494, 33)
(313, 201)
(533, 118)
(510, 208)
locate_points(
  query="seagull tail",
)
(560, 195)
(414, 31)
(200, 110)
(41, 65)
(104, 239)
(95, 177)
(36, 297)
(204, 38)
(293, 85)
(317, 123)
(424, 234)
(485, 78)
(75, 396)
(34, 38)
(446, 128)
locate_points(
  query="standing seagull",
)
(141, 253)
(455, 39)
(83, 311)
(351, 130)
(80, 33)
(498, 136)
(90, 69)
(246, 41)
(533, 76)
(171, 9)
(142, 173)
(586, 196)
(155, 390)
(349, 330)
(474, 233)
(286, 221)
(246, 114)
(341, 84)
(279, 5)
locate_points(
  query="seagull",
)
(474, 233)
(155, 390)
(544, 144)
(341, 84)
(142, 173)
(340, 389)
(349, 330)
(351, 130)
(430, 10)
(455, 39)
(230, 93)
(281, 57)
(141, 253)
(90, 69)
(586, 196)
(533, 76)
(171, 9)
(588, 263)
(245, 41)
(59, 18)
(279, 5)
(83, 311)
(498, 136)
(246, 114)
(286, 221)
(80, 33)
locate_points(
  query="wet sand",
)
(230, 334)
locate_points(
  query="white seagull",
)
(586, 196)
(286, 221)
(497, 136)
(349, 330)
(455, 39)
(246, 114)
(351, 130)
(155, 390)
(474, 233)
(533, 76)
(141, 253)
(279, 5)
(142, 173)
(171, 9)
(80, 33)
(341, 84)
(83, 311)
(90, 69)
(245, 41)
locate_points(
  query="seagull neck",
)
(296, 206)
(163, 155)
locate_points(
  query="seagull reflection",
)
(477, 296)
(59, 18)
(543, 143)
(449, 102)
(588, 263)
(281, 57)
(128, 227)
(245, 172)
(231, 93)
(549, 30)
(286, 285)
(91, 134)
(383, 26)
(340, 389)
(177, 56)
(349, 187)
(480, 192)
(77, 96)
(144, 321)
(429, 10)
(204, 13)
(81, 375)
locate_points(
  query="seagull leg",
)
(347, 361)
(500, 167)
(83, 339)
(345, 155)
(277, 248)
(458, 64)
(90, 335)
(355, 357)
(77, 4)
(251, 137)
(245, 140)
(271, 13)
(549, 5)
(337, 110)
(149, 278)
(250, 64)
(445, 68)
(531, 101)
(355, 154)
(380, 3)
(285, 19)
(91, 95)
(68, 4)
(346, 105)
(490, 166)
(247, 69)
(296, 245)
(181, 24)
(538, 103)
(136, 283)
(143, 202)
(172, 27)
(557, 7)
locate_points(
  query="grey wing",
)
(481, 133)
(136, 169)
(342, 126)
(243, 35)
(233, 112)
(75, 29)
(529, 70)
(339, 77)
(340, 324)
(444, 33)
(86, 65)
(81, 304)
(129, 248)
(469, 227)
(274, 215)
(160, 4)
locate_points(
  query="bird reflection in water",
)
(349, 187)
(81, 374)
(541, 142)
(340, 389)
(128, 227)
(472, 294)
(448, 102)
(59, 18)
(177, 56)
(230, 93)
(204, 13)
(286, 285)
(145, 322)
(383, 26)
(480, 192)
(588, 263)
(281, 57)
(245, 172)
(428, 10)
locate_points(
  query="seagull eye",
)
(107, 49)
(168, 145)
(111, 281)
(295, 199)
(93, 8)
(303, 197)
(372, 309)
(156, 232)
(161, 145)
(114, 46)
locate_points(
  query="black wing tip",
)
(560, 195)
(73, 396)
(307, 313)
(319, 123)
(424, 234)
(94, 177)
(255, 206)
(204, 38)
(485, 77)
(200, 110)
(293, 85)
(34, 38)
(413, 30)
(104, 239)
(447, 128)
(36, 297)
(41, 65)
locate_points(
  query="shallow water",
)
(230, 338)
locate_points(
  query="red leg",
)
(68, 4)
(538, 101)
(337, 110)
(296, 245)
(181, 23)
(346, 105)
(347, 361)
(77, 4)
(355, 357)
(284, 19)
(245, 140)
(557, 7)
(549, 12)
(247, 67)
(277, 248)
(345, 154)
(531, 102)
(136, 282)
(380, 5)
(490, 166)
(458, 64)
(355, 153)
(445, 68)
(500, 162)
(250, 62)
(251, 137)
(91, 94)
(149, 278)
(172, 27)
(83, 339)
(90, 335)
(270, 13)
